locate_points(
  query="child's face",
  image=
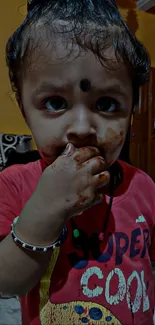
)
(61, 107)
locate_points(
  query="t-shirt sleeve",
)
(9, 199)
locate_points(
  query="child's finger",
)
(85, 153)
(102, 179)
(94, 165)
(98, 199)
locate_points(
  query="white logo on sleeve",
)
(140, 219)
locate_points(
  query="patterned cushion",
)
(13, 142)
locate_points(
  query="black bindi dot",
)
(85, 85)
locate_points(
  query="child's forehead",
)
(63, 71)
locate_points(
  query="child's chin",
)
(110, 158)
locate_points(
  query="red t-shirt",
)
(110, 283)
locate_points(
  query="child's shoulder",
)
(137, 177)
(17, 184)
(20, 172)
(132, 170)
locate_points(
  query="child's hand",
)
(73, 183)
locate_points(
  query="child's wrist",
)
(28, 245)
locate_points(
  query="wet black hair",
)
(94, 25)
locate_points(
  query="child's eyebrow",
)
(48, 87)
(113, 88)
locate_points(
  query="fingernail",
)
(68, 149)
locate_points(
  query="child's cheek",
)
(46, 157)
(48, 153)
(112, 144)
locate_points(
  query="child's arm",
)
(20, 270)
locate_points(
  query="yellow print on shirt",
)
(77, 313)
(46, 279)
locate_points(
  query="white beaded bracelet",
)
(30, 247)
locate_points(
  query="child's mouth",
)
(102, 154)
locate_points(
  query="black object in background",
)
(22, 158)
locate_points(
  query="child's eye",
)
(107, 104)
(55, 103)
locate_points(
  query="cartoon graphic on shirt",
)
(77, 312)
(131, 289)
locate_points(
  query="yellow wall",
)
(145, 32)
(11, 15)
(11, 120)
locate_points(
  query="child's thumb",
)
(69, 149)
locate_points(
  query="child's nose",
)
(82, 125)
